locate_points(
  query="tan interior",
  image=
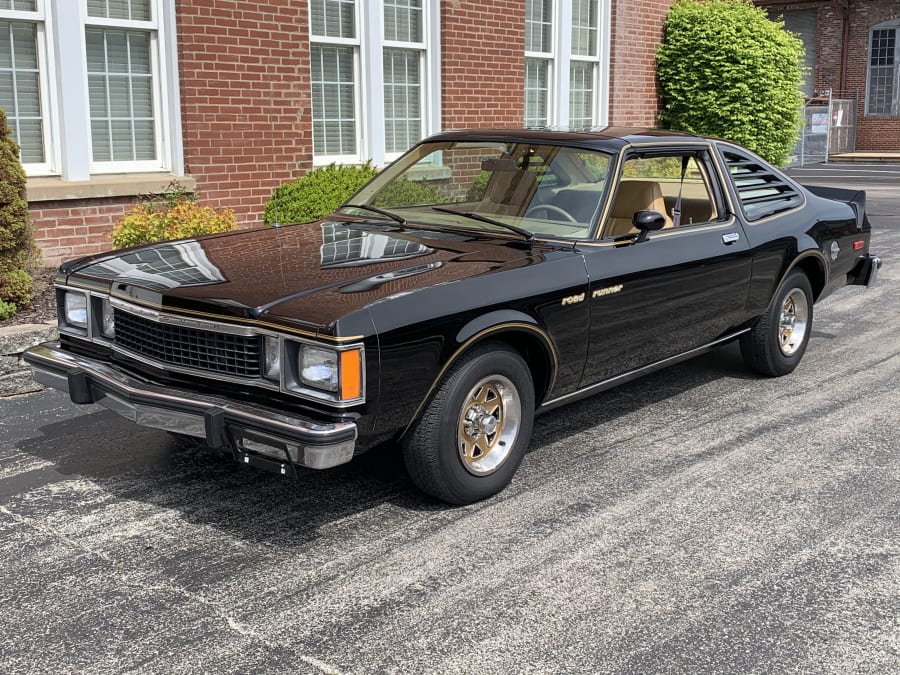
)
(510, 192)
(634, 196)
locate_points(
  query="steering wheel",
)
(549, 210)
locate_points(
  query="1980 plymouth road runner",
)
(484, 276)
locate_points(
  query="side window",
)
(761, 189)
(678, 186)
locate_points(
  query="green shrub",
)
(164, 219)
(726, 70)
(7, 309)
(316, 194)
(405, 192)
(17, 249)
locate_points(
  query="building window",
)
(584, 66)
(564, 51)
(883, 95)
(377, 52)
(21, 95)
(99, 99)
(538, 61)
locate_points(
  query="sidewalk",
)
(877, 157)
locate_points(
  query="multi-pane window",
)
(20, 82)
(85, 86)
(333, 76)
(538, 61)
(562, 62)
(584, 66)
(369, 72)
(403, 58)
(883, 97)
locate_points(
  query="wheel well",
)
(537, 357)
(815, 272)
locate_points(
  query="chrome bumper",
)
(866, 271)
(254, 435)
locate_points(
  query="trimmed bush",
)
(725, 69)
(405, 192)
(316, 194)
(17, 249)
(181, 217)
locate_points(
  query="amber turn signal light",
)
(351, 375)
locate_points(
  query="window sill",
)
(47, 189)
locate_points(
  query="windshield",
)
(522, 188)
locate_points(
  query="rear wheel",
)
(471, 438)
(778, 338)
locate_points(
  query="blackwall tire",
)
(472, 436)
(778, 339)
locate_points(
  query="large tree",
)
(725, 69)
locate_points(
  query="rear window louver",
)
(761, 191)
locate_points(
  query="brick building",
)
(111, 99)
(853, 50)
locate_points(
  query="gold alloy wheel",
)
(488, 424)
(793, 322)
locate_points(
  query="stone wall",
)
(15, 376)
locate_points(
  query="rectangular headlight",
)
(75, 309)
(318, 367)
(107, 319)
(272, 355)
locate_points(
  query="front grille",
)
(237, 355)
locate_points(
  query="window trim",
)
(895, 103)
(65, 106)
(560, 58)
(369, 45)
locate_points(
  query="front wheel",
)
(471, 438)
(778, 338)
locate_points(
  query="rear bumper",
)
(865, 273)
(254, 435)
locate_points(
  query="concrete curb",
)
(15, 376)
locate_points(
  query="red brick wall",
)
(68, 229)
(874, 132)
(245, 96)
(482, 63)
(637, 30)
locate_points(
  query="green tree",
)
(17, 250)
(725, 69)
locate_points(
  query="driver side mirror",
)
(646, 222)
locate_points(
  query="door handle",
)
(730, 237)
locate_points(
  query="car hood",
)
(308, 275)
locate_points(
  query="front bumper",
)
(254, 435)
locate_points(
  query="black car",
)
(481, 278)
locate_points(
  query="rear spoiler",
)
(855, 198)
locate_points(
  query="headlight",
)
(319, 367)
(75, 309)
(272, 355)
(107, 319)
(329, 370)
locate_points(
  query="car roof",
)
(601, 137)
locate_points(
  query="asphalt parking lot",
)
(698, 520)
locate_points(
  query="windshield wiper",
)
(484, 219)
(375, 209)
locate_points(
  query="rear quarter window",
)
(761, 189)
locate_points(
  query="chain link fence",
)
(829, 128)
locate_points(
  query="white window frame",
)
(45, 75)
(369, 45)
(560, 58)
(65, 107)
(895, 103)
